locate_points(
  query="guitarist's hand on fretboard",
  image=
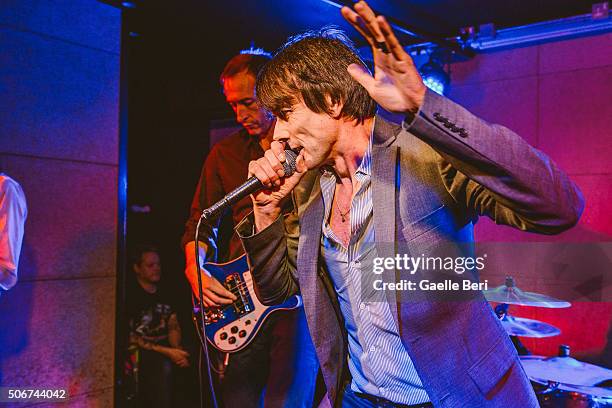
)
(214, 293)
(230, 328)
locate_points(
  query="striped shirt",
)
(378, 361)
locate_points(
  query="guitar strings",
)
(241, 285)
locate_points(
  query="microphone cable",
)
(202, 320)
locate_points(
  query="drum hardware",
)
(560, 381)
(523, 327)
(565, 369)
(509, 293)
(564, 382)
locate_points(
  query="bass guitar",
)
(230, 328)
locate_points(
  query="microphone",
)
(252, 185)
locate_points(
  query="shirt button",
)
(372, 349)
(362, 306)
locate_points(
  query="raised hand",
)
(396, 84)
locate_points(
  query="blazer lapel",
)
(311, 215)
(384, 181)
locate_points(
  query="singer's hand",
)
(396, 84)
(269, 170)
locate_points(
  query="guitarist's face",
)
(239, 92)
(149, 268)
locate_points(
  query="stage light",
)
(435, 77)
(256, 51)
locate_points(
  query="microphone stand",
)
(251, 185)
(206, 217)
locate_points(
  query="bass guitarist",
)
(279, 367)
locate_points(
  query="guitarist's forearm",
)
(190, 252)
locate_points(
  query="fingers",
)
(357, 22)
(180, 358)
(361, 75)
(275, 162)
(393, 44)
(213, 292)
(363, 20)
(269, 169)
(258, 167)
(279, 149)
(214, 299)
(219, 291)
(375, 29)
(369, 19)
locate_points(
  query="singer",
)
(361, 181)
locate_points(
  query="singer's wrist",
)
(265, 216)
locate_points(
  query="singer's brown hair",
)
(311, 68)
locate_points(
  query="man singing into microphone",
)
(362, 181)
(279, 368)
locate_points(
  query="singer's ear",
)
(300, 164)
(335, 108)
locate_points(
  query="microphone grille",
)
(289, 163)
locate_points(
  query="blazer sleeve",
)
(492, 171)
(272, 255)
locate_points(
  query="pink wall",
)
(558, 96)
(59, 76)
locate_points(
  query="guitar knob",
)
(242, 333)
(247, 322)
(234, 329)
(223, 336)
(232, 340)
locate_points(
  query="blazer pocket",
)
(425, 224)
(491, 367)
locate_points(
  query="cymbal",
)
(565, 370)
(512, 295)
(523, 327)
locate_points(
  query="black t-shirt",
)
(148, 314)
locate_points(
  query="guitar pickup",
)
(237, 286)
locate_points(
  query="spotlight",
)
(435, 77)
(256, 51)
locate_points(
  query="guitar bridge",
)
(237, 286)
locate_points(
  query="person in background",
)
(154, 331)
(13, 213)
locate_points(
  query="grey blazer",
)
(432, 176)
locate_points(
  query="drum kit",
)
(560, 381)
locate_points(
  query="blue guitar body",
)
(230, 328)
